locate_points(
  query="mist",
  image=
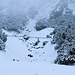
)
(24, 3)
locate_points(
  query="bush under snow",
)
(13, 19)
(41, 24)
(3, 39)
(64, 37)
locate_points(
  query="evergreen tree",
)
(64, 37)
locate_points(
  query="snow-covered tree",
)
(3, 39)
(64, 37)
(12, 19)
(41, 24)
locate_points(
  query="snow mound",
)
(27, 50)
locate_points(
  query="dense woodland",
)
(11, 22)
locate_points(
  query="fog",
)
(24, 3)
(21, 7)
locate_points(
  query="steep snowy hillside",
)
(71, 4)
(45, 10)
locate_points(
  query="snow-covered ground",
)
(19, 49)
(26, 68)
(23, 57)
(40, 64)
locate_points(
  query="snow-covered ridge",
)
(54, 5)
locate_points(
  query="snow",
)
(26, 68)
(42, 62)
(39, 64)
(45, 10)
(19, 49)
(72, 5)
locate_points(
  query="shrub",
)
(13, 21)
(41, 24)
(3, 39)
(64, 37)
(14, 24)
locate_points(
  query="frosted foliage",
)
(12, 19)
(3, 39)
(64, 37)
(41, 24)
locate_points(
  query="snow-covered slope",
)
(25, 68)
(40, 64)
(45, 10)
(71, 4)
(19, 49)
